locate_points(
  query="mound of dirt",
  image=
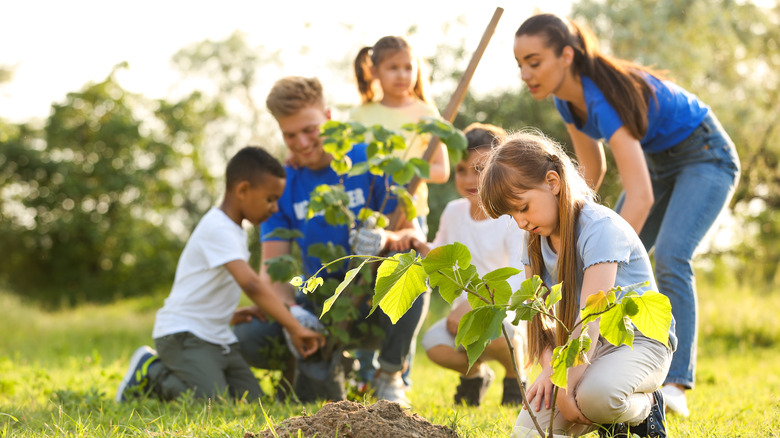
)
(346, 419)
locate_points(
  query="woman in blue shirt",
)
(677, 164)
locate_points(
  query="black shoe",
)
(512, 395)
(655, 424)
(617, 430)
(472, 390)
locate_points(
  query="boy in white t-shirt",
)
(493, 243)
(196, 350)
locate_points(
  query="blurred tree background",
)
(98, 202)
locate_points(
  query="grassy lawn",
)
(59, 371)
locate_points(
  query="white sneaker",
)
(674, 397)
(390, 387)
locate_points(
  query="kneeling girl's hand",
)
(542, 388)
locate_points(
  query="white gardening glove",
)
(306, 319)
(368, 239)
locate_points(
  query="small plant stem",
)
(520, 382)
(552, 409)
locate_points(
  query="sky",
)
(59, 46)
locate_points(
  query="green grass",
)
(59, 371)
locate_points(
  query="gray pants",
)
(209, 370)
(613, 389)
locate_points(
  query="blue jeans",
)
(692, 183)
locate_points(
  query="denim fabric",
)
(692, 183)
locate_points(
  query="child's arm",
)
(283, 291)
(259, 291)
(457, 312)
(439, 171)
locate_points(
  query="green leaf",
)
(653, 316)
(451, 284)
(312, 284)
(399, 282)
(358, 129)
(478, 328)
(382, 221)
(594, 305)
(499, 287)
(530, 288)
(406, 201)
(347, 280)
(358, 169)
(391, 165)
(501, 274)
(423, 169)
(475, 301)
(332, 127)
(447, 257)
(527, 311)
(567, 356)
(405, 174)
(364, 214)
(327, 252)
(616, 327)
(554, 297)
(284, 233)
(341, 166)
(395, 143)
(560, 371)
(283, 268)
(457, 146)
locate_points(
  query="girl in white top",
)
(493, 243)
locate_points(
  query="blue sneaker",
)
(655, 424)
(136, 379)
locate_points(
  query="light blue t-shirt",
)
(603, 236)
(670, 120)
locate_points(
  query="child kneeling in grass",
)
(196, 350)
(493, 243)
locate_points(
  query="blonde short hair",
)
(293, 93)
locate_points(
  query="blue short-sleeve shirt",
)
(672, 116)
(364, 190)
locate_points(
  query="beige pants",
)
(613, 389)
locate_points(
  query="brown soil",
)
(346, 419)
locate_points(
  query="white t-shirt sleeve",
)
(220, 246)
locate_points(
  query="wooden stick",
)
(452, 107)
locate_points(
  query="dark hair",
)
(373, 56)
(293, 93)
(251, 164)
(622, 82)
(483, 135)
(520, 163)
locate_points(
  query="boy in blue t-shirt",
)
(196, 350)
(298, 106)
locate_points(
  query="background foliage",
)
(97, 202)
